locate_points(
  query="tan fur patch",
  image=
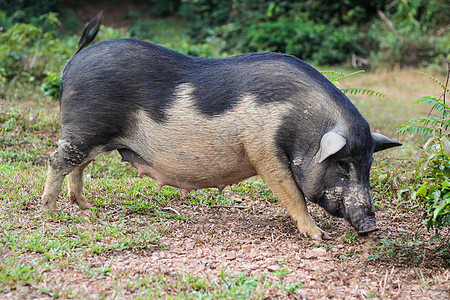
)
(193, 149)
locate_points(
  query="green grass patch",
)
(15, 273)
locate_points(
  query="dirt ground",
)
(258, 238)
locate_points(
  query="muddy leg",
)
(60, 163)
(75, 180)
(52, 189)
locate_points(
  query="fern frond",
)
(423, 126)
(343, 76)
(416, 129)
(406, 127)
(437, 104)
(324, 72)
(444, 88)
(435, 121)
(332, 75)
(363, 91)
(336, 76)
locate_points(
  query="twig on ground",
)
(230, 206)
(163, 208)
(172, 209)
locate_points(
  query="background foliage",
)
(402, 32)
(327, 32)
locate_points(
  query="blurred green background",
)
(37, 37)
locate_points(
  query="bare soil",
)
(258, 238)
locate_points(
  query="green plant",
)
(51, 84)
(410, 250)
(298, 35)
(288, 288)
(26, 50)
(336, 77)
(349, 237)
(431, 179)
(28, 11)
(326, 32)
(408, 33)
(14, 273)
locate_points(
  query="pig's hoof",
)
(80, 201)
(318, 235)
(48, 204)
(82, 204)
(326, 236)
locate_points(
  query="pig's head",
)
(337, 176)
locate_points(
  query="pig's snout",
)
(368, 225)
(363, 220)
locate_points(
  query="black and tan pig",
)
(194, 123)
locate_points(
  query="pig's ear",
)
(330, 144)
(383, 142)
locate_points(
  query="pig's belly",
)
(197, 169)
(190, 150)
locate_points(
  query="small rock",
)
(273, 268)
(230, 256)
(253, 253)
(247, 248)
(315, 252)
(300, 274)
(178, 251)
(249, 266)
(200, 265)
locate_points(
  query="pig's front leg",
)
(282, 184)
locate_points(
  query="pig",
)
(193, 123)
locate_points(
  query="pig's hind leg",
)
(75, 179)
(67, 158)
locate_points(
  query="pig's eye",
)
(344, 166)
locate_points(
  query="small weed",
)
(408, 250)
(289, 289)
(425, 282)
(104, 270)
(349, 238)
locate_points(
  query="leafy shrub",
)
(165, 7)
(326, 32)
(27, 50)
(415, 37)
(299, 36)
(51, 84)
(22, 11)
(335, 77)
(431, 179)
